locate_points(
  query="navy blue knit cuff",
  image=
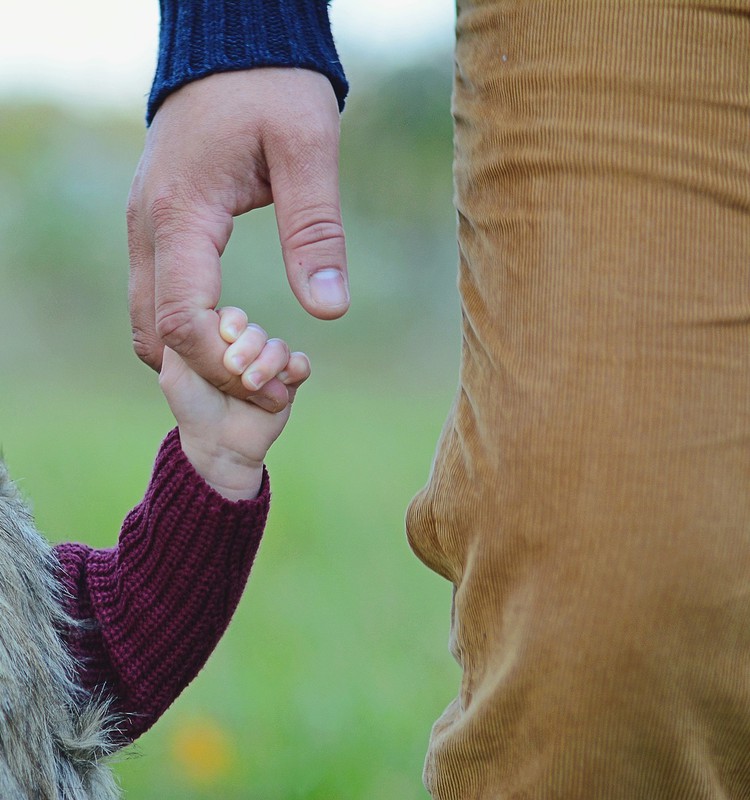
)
(200, 37)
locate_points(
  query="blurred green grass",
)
(336, 664)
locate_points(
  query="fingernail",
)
(328, 287)
(253, 380)
(238, 364)
(230, 333)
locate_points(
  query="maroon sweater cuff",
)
(159, 602)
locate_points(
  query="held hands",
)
(217, 148)
(226, 438)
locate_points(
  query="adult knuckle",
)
(307, 151)
(308, 131)
(314, 138)
(145, 347)
(173, 207)
(166, 211)
(142, 349)
(132, 215)
(175, 327)
(314, 231)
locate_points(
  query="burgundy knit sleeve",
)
(159, 602)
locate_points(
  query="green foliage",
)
(336, 664)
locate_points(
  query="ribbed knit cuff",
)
(166, 594)
(200, 37)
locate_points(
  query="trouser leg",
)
(589, 499)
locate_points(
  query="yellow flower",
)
(202, 750)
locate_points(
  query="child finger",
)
(246, 349)
(296, 372)
(232, 322)
(267, 365)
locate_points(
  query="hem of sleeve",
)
(166, 594)
(202, 37)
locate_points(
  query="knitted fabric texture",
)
(164, 596)
(201, 37)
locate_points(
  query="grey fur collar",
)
(53, 737)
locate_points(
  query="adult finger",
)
(146, 343)
(187, 250)
(303, 171)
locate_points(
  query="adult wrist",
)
(201, 37)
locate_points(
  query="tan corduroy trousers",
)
(590, 497)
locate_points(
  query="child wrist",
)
(232, 474)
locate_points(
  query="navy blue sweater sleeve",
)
(200, 37)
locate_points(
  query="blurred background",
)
(336, 664)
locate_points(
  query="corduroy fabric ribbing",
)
(200, 37)
(161, 600)
(590, 496)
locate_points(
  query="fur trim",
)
(53, 736)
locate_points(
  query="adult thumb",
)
(304, 183)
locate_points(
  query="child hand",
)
(227, 439)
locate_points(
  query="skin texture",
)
(226, 439)
(217, 148)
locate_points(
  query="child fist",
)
(227, 439)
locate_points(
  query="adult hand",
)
(219, 147)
